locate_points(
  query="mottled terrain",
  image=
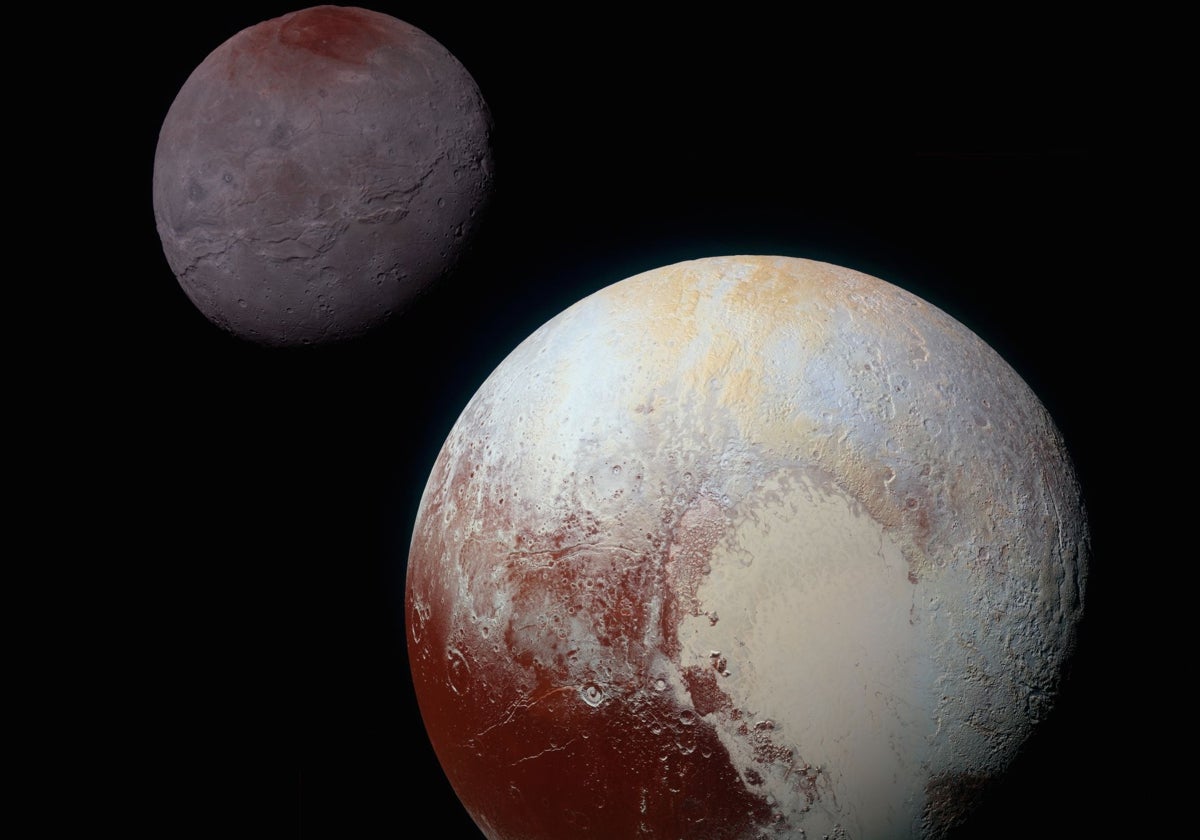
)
(743, 547)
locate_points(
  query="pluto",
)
(743, 547)
(317, 172)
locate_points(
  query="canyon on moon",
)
(743, 547)
(319, 171)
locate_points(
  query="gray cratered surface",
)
(318, 171)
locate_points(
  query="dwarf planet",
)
(740, 548)
(317, 172)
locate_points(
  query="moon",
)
(743, 547)
(317, 172)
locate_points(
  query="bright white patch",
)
(814, 603)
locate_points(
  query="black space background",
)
(273, 493)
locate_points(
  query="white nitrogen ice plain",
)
(824, 648)
(743, 547)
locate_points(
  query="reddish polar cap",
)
(317, 172)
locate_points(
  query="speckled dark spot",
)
(951, 799)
